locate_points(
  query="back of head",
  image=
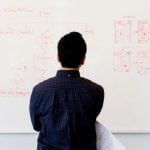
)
(71, 50)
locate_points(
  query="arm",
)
(100, 100)
(35, 119)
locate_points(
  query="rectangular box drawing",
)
(122, 30)
(144, 31)
(121, 60)
(143, 62)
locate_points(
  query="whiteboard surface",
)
(118, 38)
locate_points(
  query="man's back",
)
(64, 110)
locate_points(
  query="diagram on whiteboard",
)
(30, 56)
(132, 39)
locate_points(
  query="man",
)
(64, 108)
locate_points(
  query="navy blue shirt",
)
(64, 109)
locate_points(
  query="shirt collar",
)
(68, 73)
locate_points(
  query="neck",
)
(63, 68)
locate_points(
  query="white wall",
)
(28, 141)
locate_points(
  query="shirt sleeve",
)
(100, 100)
(35, 118)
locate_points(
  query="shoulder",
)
(92, 85)
(44, 85)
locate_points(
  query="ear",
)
(82, 61)
(58, 58)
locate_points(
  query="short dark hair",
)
(71, 50)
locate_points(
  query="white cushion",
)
(106, 140)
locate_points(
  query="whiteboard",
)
(118, 38)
